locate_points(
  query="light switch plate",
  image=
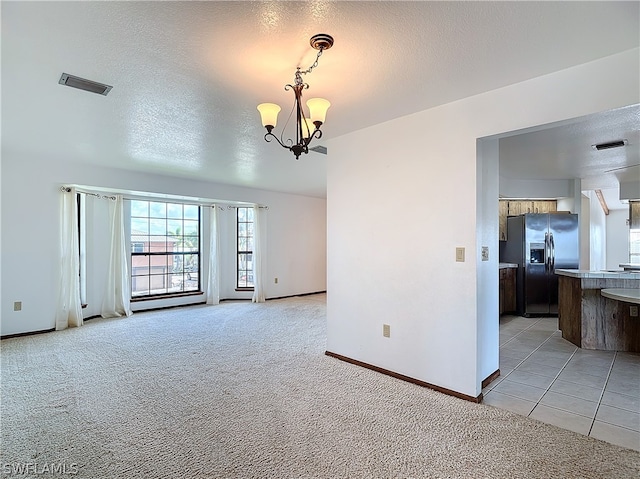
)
(386, 330)
(485, 253)
(460, 255)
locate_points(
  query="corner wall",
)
(401, 197)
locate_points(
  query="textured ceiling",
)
(187, 76)
(565, 151)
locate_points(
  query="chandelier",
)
(307, 128)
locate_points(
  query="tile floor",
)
(595, 393)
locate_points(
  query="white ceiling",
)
(187, 77)
(564, 151)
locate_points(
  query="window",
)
(165, 248)
(634, 232)
(244, 248)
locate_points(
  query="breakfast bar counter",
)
(591, 319)
(621, 294)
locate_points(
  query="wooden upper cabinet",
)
(521, 207)
(513, 208)
(502, 217)
(545, 206)
(541, 207)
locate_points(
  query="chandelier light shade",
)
(307, 126)
(269, 114)
(318, 109)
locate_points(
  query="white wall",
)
(630, 190)
(585, 233)
(514, 188)
(296, 234)
(565, 204)
(487, 341)
(392, 238)
(597, 233)
(617, 238)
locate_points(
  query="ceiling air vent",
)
(84, 84)
(611, 144)
(319, 149)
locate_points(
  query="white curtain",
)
(117, 296)
(259, 229)
(213, 282)
(69, 310)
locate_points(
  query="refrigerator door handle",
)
(547, 252)
(552, 244)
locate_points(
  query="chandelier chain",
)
(299, 73)
(315, 64)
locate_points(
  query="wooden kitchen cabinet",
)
(507, 290)
(545, 206)
(521, 207)
(502, 218)
(514, 207)
(526, 207)
(593, 321)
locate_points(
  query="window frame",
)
(239, 270)
(170, 255)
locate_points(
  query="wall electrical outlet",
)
(633, 311)
(386, 330)
(17, 306)
(460, 255)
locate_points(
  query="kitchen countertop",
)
(620, 294)
(507, 265)
(632, 266)
(584, 273)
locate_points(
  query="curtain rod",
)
(66, 189)
(232, 207)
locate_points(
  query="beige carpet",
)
(244, 390)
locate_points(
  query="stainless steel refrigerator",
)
(539, 244)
